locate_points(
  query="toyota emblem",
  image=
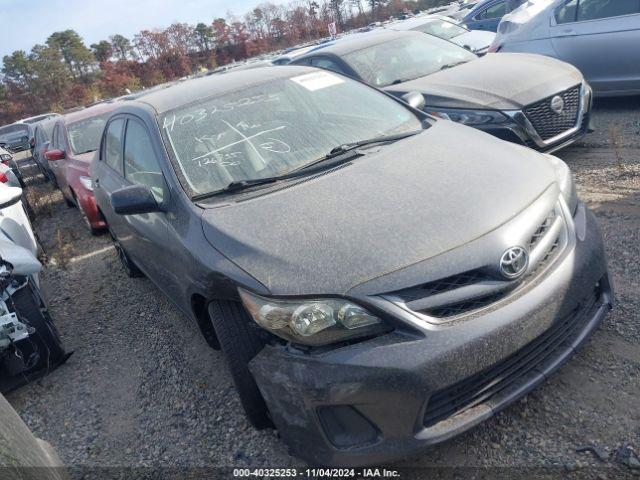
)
(514, 262)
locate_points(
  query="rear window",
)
(441, 28)
(85, 135)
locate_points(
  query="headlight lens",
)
(566, 183)
(471, 117)
(86, 183)
(318, 321)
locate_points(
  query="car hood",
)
(475, 39)
(502, 81)
(395, 206)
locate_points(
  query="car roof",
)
(89, 112)
(359, 41)
(190, 91)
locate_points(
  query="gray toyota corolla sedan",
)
(532, 100)
(378, 280)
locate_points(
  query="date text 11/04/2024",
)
(316, 472)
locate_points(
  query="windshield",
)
(440, 28)
(278, 126)
(405, 59)
(85, 135)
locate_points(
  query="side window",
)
(567, 12)
(305, 61)
(326, 63)
(112, 154)
(140, 162)
(596, 9)
(497, 10)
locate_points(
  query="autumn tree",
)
(103, 50)
(122, 47)
(79, 59)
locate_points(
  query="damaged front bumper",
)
(395, 395)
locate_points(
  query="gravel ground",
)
(143, 388)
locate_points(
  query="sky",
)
(27, 22)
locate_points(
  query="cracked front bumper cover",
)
(369, 402)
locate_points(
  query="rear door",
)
(602, 39)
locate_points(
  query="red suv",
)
(74, 141)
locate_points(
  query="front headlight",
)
(470, 117)
(566, 183)
(317, 321)
(86, 183)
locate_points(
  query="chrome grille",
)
(549, 124)
(542, 229)
(469, 291)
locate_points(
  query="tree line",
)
(64, 72)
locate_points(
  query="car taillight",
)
(3, 178)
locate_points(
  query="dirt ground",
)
(143, 388)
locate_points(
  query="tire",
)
(27, 303)
(129, 266)
(239, 345)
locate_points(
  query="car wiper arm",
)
(344, 151)
(349, 148)
(380, 139)
(451, 65)
(236, 186)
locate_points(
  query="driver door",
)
(145, 236)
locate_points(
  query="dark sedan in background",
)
(532, 100)
(15, 137)
(364, 328)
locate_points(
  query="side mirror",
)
(9, 196)
(134, 200)
(55, 155)
(414, 99)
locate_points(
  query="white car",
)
(477, 41)
(14, 222)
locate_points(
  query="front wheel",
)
(130, 268)
(239, 345)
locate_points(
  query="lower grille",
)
(547, 122)
(484, 385)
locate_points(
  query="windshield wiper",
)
(341, 153)
(341, 150)
(236, 186)
(451, 65)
